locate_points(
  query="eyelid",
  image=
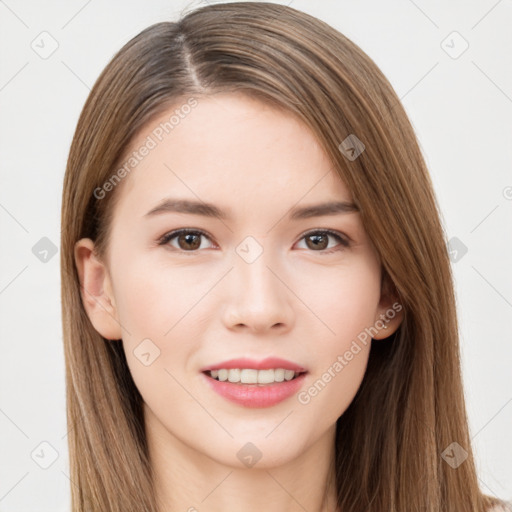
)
(328, 231)
(166, 237)
(344, 240)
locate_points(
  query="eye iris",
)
(316, 243)
(187, 237)
(191, 240)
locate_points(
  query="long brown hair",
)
(410, 407)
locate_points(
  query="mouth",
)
(248, 387)
(253, 377)
(255, 383)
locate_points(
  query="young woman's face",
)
(260, 282)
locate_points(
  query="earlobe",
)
(96, 290)
(388, 321)
(390, 312)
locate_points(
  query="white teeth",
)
(279, 375)
(265, 376)
(252, 376)
(234, 375)
(288, 374)
(249, 376)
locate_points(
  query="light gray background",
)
(461, 110)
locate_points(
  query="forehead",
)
(230, 149)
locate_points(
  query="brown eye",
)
(187, 240)
(318, 241)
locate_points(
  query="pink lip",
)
(265, 364)
(254, 395)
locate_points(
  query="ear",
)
(96, 290)
(390, 312)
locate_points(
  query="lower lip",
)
(254, 395)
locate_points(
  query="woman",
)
(258, 307)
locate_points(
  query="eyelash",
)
(165, 239)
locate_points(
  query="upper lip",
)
(264, 364)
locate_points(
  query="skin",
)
(208, 305)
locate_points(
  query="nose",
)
(258, 298)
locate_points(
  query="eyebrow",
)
(171, 205)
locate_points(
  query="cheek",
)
(346, 302)
(161, 308)
(154, 299)
(153, 306)
(329, 393)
